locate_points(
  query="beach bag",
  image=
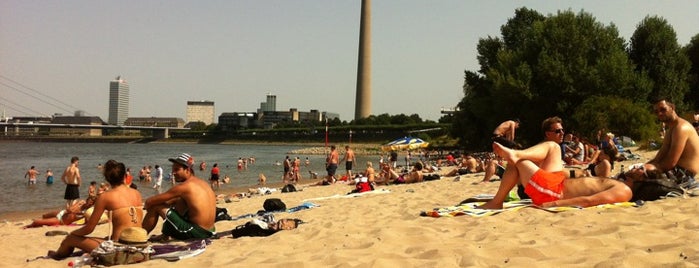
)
(222, 214)
(654, 189)
(251, 229)
(274, 204)
(288, 188)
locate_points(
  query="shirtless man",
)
(189, 207)
(680, 150)
(31, 175)
(505, 133)
(331, 164)
(540, 169)
(349, 160)
(71, 177)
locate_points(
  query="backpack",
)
(288, 188)
(274, 204)
(654, 189)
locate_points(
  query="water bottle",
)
(84, 260)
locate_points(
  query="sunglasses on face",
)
(557, 131)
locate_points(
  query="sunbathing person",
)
(552, 188)
(124, 204)
(61, 217)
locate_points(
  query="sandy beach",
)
(386, 230)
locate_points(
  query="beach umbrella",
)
(405, 143)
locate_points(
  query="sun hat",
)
(183, 159)
(133, 235)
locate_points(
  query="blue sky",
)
(235, 52)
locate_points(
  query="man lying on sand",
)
(540, 169)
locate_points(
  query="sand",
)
(385, 230)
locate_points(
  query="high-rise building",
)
(200, 111)
(270, 105)
(118, 101)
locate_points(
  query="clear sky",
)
(235, 52)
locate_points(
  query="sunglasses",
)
(557, 131)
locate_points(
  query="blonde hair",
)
(369, 164)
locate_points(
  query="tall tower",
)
(270, 105)
(118, 101)
(362, 105)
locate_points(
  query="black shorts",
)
(331, 169)
(214, 177)
(505, 142)
(72, 192)
(348, 165)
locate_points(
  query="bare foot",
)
(506, 153)
(52, 254)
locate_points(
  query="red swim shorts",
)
(545, 186)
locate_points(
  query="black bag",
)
(653, 189)
(288, 188)
(222, 214)
(274, 204)
(251, 229)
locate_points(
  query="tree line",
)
(572, 66)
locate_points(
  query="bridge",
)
(158, 132)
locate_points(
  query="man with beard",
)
(679, 153)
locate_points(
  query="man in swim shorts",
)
(540, 169)
(331, 164)
(188, 208)
(71, 177)
(678, 157)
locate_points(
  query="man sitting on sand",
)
(189, 208)
(540, 169)
(679, 153)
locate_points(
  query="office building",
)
(200, 111)
(118, 101)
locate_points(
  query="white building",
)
(200, 111)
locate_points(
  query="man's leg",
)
(152, 215)
(514, 174)
(490, 170)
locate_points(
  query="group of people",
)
(188, 209)
(540, 168)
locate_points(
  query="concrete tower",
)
(118, 101)
(362, 105)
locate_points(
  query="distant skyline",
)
(236, 52)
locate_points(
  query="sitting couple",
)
(189, 207)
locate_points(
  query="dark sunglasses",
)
(557, 131)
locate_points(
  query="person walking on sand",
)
(505, 133)
(188, 208)
(71, 177)
(349, 161)
(540, 169)
(31, 176)
(331, 164)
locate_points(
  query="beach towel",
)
(471, 210)
(303, 206)
(379, 191)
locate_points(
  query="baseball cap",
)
(183, 159)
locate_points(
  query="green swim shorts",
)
(179, 227)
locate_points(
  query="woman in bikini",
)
(124, 204)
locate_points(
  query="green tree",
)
(692, 52)
(617, 115)
(657, 55)
(542, 67)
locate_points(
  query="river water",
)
(17, 157)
